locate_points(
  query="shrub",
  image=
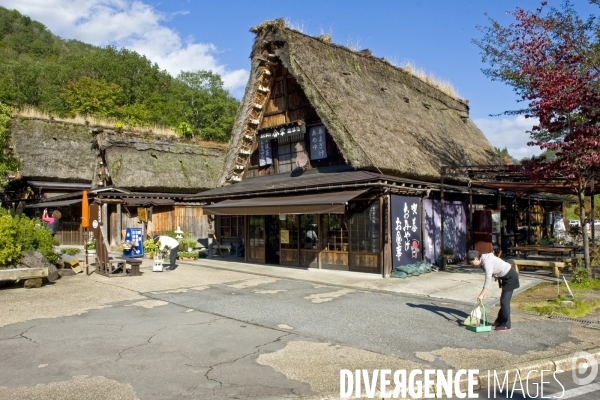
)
(185, 244)
(19, 234)
(70, 251)
(150, 246)
(188, 255)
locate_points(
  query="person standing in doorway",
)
(495, 267)
(172, 244)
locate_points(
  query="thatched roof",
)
(148, 165)
(68, 152)
(381, 117)
(53, 151)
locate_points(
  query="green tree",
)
(88, 96)
(8, 163)
(208, 106)
(507, 158)
(68, 77)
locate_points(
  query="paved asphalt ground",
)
(204, 332)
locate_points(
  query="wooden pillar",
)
(528, 218)
(387, 247)
(104, 225)
(246, 236)
(442, 257)
(500, 211)
(470, 211)
(119, 224)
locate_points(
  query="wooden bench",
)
(570, 261)
(135, 265)
(555, 265)
(19, 274)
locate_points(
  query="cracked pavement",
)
(199, 332)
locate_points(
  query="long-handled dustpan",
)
(483, 325)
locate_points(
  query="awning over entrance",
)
(49, 204)
(320, 203)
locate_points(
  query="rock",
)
(66, 272)
(32, 283)
(35, 259)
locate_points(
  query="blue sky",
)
(434, 35)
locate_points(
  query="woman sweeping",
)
(509, 281)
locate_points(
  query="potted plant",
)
(128, 245)
(90, 246)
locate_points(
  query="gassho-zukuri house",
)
(335, 159)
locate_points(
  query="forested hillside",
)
(67, 78)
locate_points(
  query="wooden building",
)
(121, 171)
(332, 154)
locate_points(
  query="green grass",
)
(584, 286)
(580, 309)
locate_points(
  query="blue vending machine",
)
(133, 237)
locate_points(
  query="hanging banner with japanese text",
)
(265, 156)
(406, 230)
(455, 229)
(318, 146)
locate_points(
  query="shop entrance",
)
(272, 239)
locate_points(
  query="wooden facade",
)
(190, 218)
(287, 104)
(327, 247)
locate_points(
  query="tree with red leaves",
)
(548, 58)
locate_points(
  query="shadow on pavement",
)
(450, 314)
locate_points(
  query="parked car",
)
(573, 222)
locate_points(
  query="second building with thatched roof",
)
(122, 170)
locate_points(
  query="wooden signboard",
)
(95, 220)
(142, 214)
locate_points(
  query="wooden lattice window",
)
(364, 228)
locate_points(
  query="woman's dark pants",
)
(509, 283)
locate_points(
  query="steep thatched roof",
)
(151, 165)
(53, 151)
(381, 117)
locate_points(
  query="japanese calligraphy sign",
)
(265, 154)
(282, 131)
(406, 230)
(318, 146)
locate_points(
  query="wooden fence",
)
(190, 219)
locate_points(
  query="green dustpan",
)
(484, 326)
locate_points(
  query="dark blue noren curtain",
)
(406, 230)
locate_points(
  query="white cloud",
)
(510, 133)
(133, 25)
